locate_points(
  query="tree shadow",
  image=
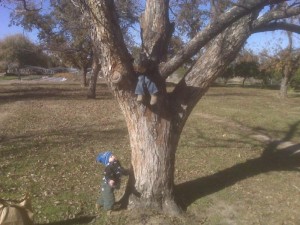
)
(26, 143)
(24, 92)
(79, 220)
(238, 94)
(273, 158)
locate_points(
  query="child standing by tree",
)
(111, 180)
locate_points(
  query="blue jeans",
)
(144, 83)
(107, 197)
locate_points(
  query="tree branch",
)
(116, 61)
(25, 6)
(278, 26)
(207, 68)
(275, 14)
(156, 29)
(212, 30)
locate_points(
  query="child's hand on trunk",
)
(111, 183)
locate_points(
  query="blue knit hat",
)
(104, 157)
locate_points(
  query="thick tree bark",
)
(116, 62)
(156, 30)
(153, 143)
(153, 148)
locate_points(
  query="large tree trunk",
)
(155, 131)
(153, 142)
(153, 148)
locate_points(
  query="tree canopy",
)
(18, 51)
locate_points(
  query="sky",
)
(257, 42)
(6, 30)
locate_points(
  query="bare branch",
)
(25, 6)
(107, 31)
(217, 57)
(275, 14)
(75, 3)
(278, 26)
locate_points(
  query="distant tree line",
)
(271, 70)
(17, 52)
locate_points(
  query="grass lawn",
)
(234, 161)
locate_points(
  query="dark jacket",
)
(114, 171)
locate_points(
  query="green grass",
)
(50, 135)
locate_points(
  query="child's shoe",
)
(153, 99)
(140, 98)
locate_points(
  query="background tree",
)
(228, 73)
(265, 76)
(189, 17)
(283, 66)
(288, 65)
(247, 66)
(66, 31)
(18, 51)
(295, 83)
(62, 30)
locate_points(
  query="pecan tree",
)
(154, 131)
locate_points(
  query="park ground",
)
(237, 162)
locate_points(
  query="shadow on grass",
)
(272, 159)
(57, 92)
(80, 220)
(24, 144)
